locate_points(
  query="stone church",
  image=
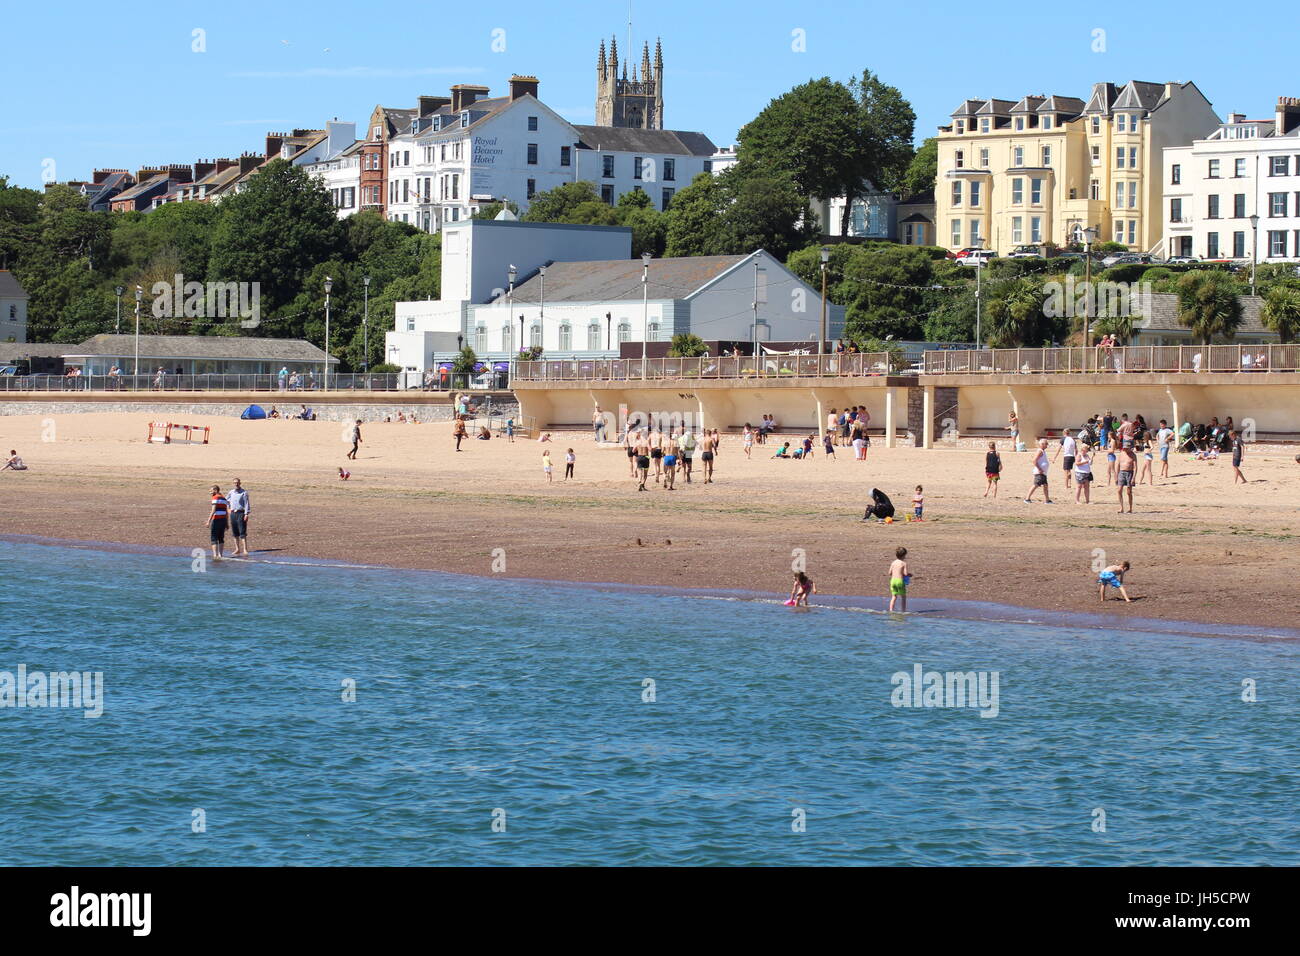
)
(636, 103)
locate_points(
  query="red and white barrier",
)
(168, 433)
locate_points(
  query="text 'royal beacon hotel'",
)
(1030, 172)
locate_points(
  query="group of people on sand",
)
(672, 455)
(230, 511)
(899, 576)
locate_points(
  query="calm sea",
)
(500, 722)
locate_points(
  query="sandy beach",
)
(1200, 549)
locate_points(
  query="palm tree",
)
(1281, 312)
(1208, 305)
(1015, 313)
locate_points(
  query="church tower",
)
(635, 103)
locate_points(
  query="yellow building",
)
(1032, 171)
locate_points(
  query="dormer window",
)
(1020, 123)
(961, 126)
(1047, 122)
(984, 125)
(1096, 125)
(464, 119)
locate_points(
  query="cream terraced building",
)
(1033, 171)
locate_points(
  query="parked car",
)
(8, 369)
(1026, 252)
(976, 257)
(1181, 260)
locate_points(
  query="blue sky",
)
(82, 86)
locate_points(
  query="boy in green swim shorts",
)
(898, 579)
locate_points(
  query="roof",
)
(1103, 96)
(1062, 104)
(1141, 95)
(10, 287)
(1160, 314)
(143, 189)
(619, 279)
(20, 351)
(198, 347)
(620, 140)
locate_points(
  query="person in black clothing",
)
(881, 507)
(992, 469)
(1238, 449)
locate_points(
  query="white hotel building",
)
(1214, 187)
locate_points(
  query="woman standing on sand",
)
(459, 432)
(1013, 426)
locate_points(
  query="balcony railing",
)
(338, 382)
(1191, 359)
(858, 364)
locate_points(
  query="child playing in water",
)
(918, 504)
(1114, 576)
(803, 586)
(899, 578)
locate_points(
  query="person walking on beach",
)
(1113, 576)
(630, 438)
(749, 440)
(642, 461)
(546, 465)
(1165, 440)
(356, 440)
(1127, 472)
(707, 445)
(657, 451)
(1041, 467)
(672, 455)
(992, 469)
(899, 578)
(1013, 426)
(569, 460)
(688, 452)
(1083, 474)
(458, 431)
(239, 512)
(217, 519)
(1069, 448)
(1238, 450)
(598, 424)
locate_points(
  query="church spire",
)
(659, 57)
(645, 61)
(600, 63)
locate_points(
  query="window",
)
(624, 331)
(1276, 243)
(1132, 195)
(1018, 156)
(652, 332)
(961, 126)
(1212, 169)
(1096, 155)
(607, 194)
(708, 165)
(1239, 245)
(1175, 210)
(1211, 245)
(1035, 228)
(532, 124)
(1132, 157)
(956, 233)
(532, 188)
(1020, 122)
(1277, 165)
(974, 193)
(1175, 174)
(1212, 207)
(667, 197)
(984, 124)
(956, 193)
(535, 335)
(1096, 125)
(959, 159)
(480, 339)
(566, 337)
(1121, 122)
(1017, 191)
(670, 170)
(1239, 206)
(1119, 157)
(593, 337)
(1047, 122)
(1036, 191)
(1017, 229)
(607, 163)
(506, 336)
(984, 159)
(532, 154)
(1119, 230)
(406, 190)
(1238, 168)
(410, 325)
(636, 167)
(1047, 155)
(1133, 122)
(565, 155)
(1094, 190)
(464, 119)
(975, 232)
(1276, 205)
(1132, 231)
(1119, 195)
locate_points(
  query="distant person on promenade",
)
(1041, 467)
(992, 469)
(1126, 475)
(803, 587)
(899, 578)
(1238, 450)
(356, 440)
(239, 512)
(459, 432)
(14, 462)
(217, 519)
(1114, 577)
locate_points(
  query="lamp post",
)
(1087, 235)
(118, 327)
(756, 366)
(609, 331)
(139, 295)
(645, 307)
(365, 325)
(329, 284)
(821, 341)
(541, 311)
(1254, 250)
(510, 297)
(979, 269)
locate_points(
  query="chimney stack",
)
(224, 164)
(431, 104)
(466, 94)
(519, 85)
(180, 172)
(202, 167)
(273, 143)
(102, 174)
(249, 162)
(1287, 116)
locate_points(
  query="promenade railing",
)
(709, 368)
(1191, 359)
(170, 382)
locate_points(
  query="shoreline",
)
(944, 608)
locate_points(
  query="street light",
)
(821, 342)
(979, 270)
(1254, 250)
(1086, 236)
(541, 311)
(365, 326)
(510, 295)
(139, 295)
(117, 329)
(645, 307)
(329, 284)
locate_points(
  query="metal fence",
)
(340, 382)
(725, 367)
(1134, 358)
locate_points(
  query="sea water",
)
(258, 713)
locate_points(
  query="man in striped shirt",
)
(217, 519)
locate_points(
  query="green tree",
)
(1208, 305)
(1281, 312)
(464, 362)
(886, 292)
(923, 171)
(559, 204)
(692, 226)
(745, 208)
(491, 210)
(886, 125)
(687, 345)
(1013, 315)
